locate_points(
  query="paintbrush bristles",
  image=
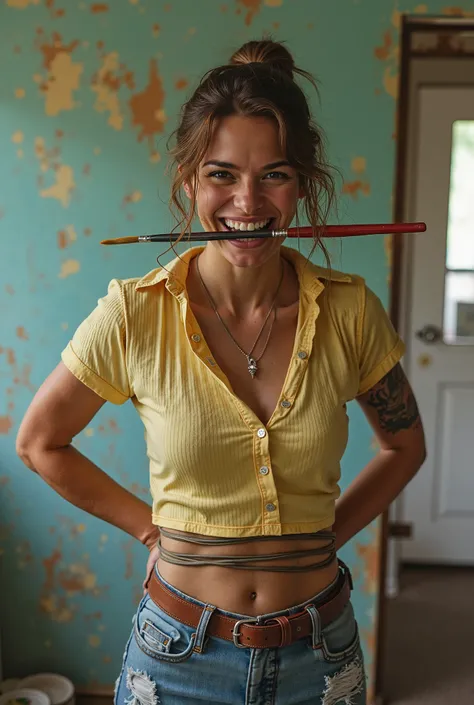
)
(120, 241)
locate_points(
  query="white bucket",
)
(58, 688)
(24, 696)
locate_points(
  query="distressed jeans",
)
(170, 663)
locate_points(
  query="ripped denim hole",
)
(342, 687)
(142, 688)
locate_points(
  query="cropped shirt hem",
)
(276, 530)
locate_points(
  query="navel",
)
(253, 595)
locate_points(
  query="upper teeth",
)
(239, 225)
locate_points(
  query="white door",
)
(439, 502)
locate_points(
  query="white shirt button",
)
(264, 470)
(302, 355)
(261, 433)
(196, 338)
(286, 404)
(270, 507)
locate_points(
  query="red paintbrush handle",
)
(351, 230)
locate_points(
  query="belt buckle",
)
(236, 633)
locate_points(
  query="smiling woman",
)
(240, 358)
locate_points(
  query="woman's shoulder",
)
(343, 290)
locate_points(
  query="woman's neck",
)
(241, 291)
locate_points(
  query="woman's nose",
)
(248, 197)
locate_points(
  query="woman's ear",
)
(186, 185)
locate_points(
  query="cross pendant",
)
(252, 366)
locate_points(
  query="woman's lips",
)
(248, 244)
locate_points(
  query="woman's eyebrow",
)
(229, 165)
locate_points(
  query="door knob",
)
(429, 334)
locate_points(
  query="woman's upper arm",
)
(391, 409)
(62, 407)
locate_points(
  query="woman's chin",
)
(251, 252)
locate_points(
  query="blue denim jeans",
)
(169, 663)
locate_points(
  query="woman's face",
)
(246, 183)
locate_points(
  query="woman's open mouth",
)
(241, 227)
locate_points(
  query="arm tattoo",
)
(394, 402)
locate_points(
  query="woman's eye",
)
(277, 175)
(220, 174)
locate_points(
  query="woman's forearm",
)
(373, 490)
(82, 483)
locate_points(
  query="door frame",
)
(412, 27)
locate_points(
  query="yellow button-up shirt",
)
(215, 468)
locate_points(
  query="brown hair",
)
(259, 80)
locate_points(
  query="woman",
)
(240, 358)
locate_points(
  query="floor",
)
(430, 639)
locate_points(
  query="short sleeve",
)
(96, 355)
(380, 346)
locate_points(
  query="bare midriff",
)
(253, 591)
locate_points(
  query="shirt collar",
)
(311, 276)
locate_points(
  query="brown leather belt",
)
(275, 633)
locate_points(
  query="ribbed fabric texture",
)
(206, 447)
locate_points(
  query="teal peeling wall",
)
(88, 95)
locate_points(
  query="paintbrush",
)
(305, 232)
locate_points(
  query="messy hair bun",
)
(268, 52)
(271, 54)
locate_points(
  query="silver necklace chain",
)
(251, 361)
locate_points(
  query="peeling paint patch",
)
(70, 266)
(359, 165)
(253, 8)
(396, 18)
(6, 424)
(110, 77)
(22, 4)
(25, 555)
(64, 186)
(147, 106)
(20, 93)
(455, 11)
(21, 333)
(383, 52)
(353, 188)
(389, 53)
(9, 289)
(391, 81)
(180, 84)
(66, 237)
(63, 76)
(98, 8)
(133, 197)
(273, 3)
(94, 641)
(421, 9)
(369, 554)
(18, 137)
